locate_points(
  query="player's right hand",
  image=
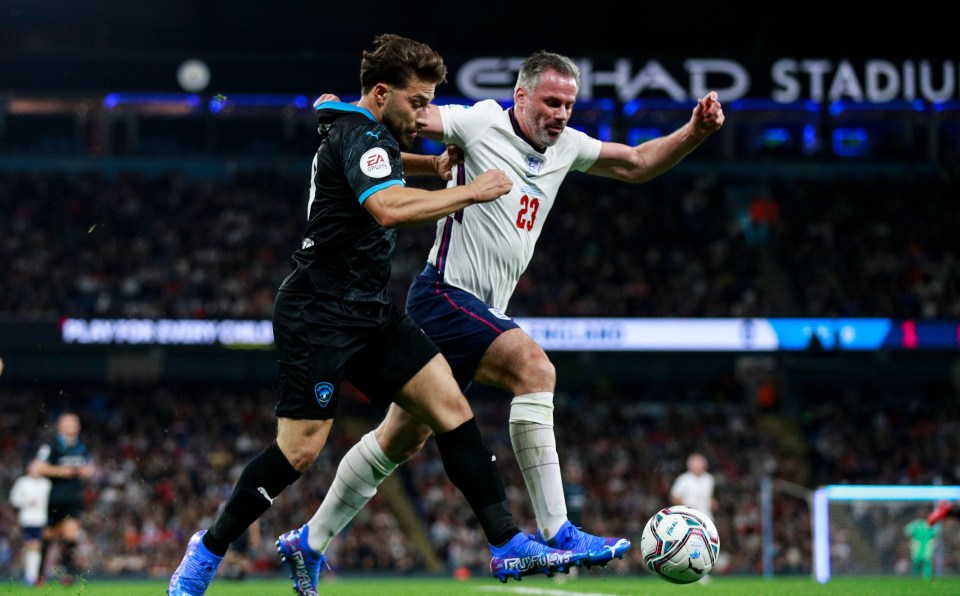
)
(86, 471)
(491, 185)
(451, 156)
(707, 117)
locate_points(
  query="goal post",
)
(883, 511)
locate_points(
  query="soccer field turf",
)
(530, 586)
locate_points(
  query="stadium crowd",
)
(741, 235)
(89, 245)
(687, 244)
(167, 455)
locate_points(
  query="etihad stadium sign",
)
(785, 80)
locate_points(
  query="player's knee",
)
(304, 455)
(541, 372)
(301, 453)
(301, 441)
(528, 371)
(71, 528)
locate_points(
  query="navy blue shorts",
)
(320, 342)
(462, 325)
(31, 532)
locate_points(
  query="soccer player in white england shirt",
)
(31, 495)
(460, 299)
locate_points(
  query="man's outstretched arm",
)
(654, 157)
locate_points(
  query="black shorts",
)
(59, 511)
(320, 342)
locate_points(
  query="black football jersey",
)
(58, 453)
(345, 253)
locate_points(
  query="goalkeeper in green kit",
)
(923, 544)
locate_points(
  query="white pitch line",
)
(540, 591)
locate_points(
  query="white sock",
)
(31, 566)
(535, 445)
(359, 474)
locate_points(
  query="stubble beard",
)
(397, 128)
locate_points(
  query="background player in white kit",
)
(694, 487)
(31, 494)
(479, 254)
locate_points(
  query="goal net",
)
(861, 530)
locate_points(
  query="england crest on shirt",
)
(534, 163)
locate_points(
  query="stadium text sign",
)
(785, 80)
(574, 334)
(167, 332)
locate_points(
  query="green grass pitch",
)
(530, 586)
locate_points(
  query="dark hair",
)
(397, 60)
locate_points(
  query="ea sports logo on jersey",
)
(375, 163)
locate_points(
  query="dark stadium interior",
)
(122, 196)
(607, 26)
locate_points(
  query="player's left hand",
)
(325, 97)
(452, 156)
(708, 116)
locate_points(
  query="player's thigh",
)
(313, 344)
(513, 361)
(433, 397)
(390, 357)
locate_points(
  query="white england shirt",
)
(485, 248)
(695, 491)
(30, 494)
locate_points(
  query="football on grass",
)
(680, 544)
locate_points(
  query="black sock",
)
(473, 470)
(67, 557)
(270, 473)
(44, 547)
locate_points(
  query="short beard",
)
(398, 131)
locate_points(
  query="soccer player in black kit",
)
(66, 461)
(333, 321)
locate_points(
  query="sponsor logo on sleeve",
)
(375, 163)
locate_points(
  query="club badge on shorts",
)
(324, 392)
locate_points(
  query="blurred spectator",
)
(90, 245)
